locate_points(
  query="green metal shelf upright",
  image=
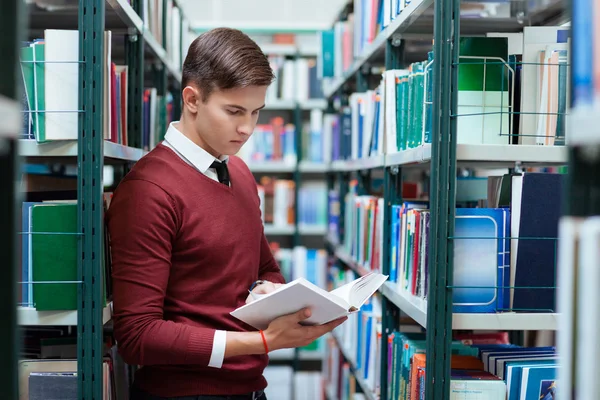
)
(12, 21)
(90, 200)
(442, 198)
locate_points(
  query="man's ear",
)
(191, 98)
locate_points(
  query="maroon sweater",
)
(185, 250)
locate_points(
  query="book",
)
(300, 293)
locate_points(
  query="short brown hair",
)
(225, 58)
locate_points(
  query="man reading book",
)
(187, 240)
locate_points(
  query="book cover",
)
(478, 260)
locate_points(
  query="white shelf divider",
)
(310, 104)
(481, 154)
(280, 105)
(68, 148)
(417, 310)
(355, 165)
(312, 229)
(271, 166)
(309, 166)
(279, 230)
(31, 317)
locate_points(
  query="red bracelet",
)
(262, 334)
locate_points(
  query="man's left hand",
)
(262, 289)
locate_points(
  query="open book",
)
(325, 306)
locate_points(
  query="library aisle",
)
(436, 163)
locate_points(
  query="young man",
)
(187, 240)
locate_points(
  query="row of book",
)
(295, 79)
(483, 365)
(275, 140)
(512, 89)
(504, 249)
(480, 368)
(50, 74)
(359, 339)
(55, 376)
(272, 141)
(171, 30)
(277, 199)
(316, 139)
(348, 39)
(303, 262)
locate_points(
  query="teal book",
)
(428, 98)
(39, 118)
(419, 104)
(327, 59)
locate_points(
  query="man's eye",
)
(231, 112)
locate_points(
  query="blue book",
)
(514, 372)
(539, 383)
(479, 260)
(395, 209)
(535, 214)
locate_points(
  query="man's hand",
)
(262, 289)
(286, 331)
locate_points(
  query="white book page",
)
(289, 299)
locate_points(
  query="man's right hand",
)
(286, 331)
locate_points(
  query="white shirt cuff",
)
(218, 349)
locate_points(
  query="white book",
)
(61, 70)
(587, 346)
(300, 293)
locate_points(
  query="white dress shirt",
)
(200, 159)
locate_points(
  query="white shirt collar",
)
(196, 155)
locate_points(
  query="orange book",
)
(456, 362)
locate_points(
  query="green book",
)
(39, 118)
(54, 256)
(483, 95)
(29, 81)
(419, 104)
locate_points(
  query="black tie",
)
(222, 172)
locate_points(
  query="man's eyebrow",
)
(243, 108)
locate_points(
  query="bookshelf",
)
(402, 41)
(152, 56)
